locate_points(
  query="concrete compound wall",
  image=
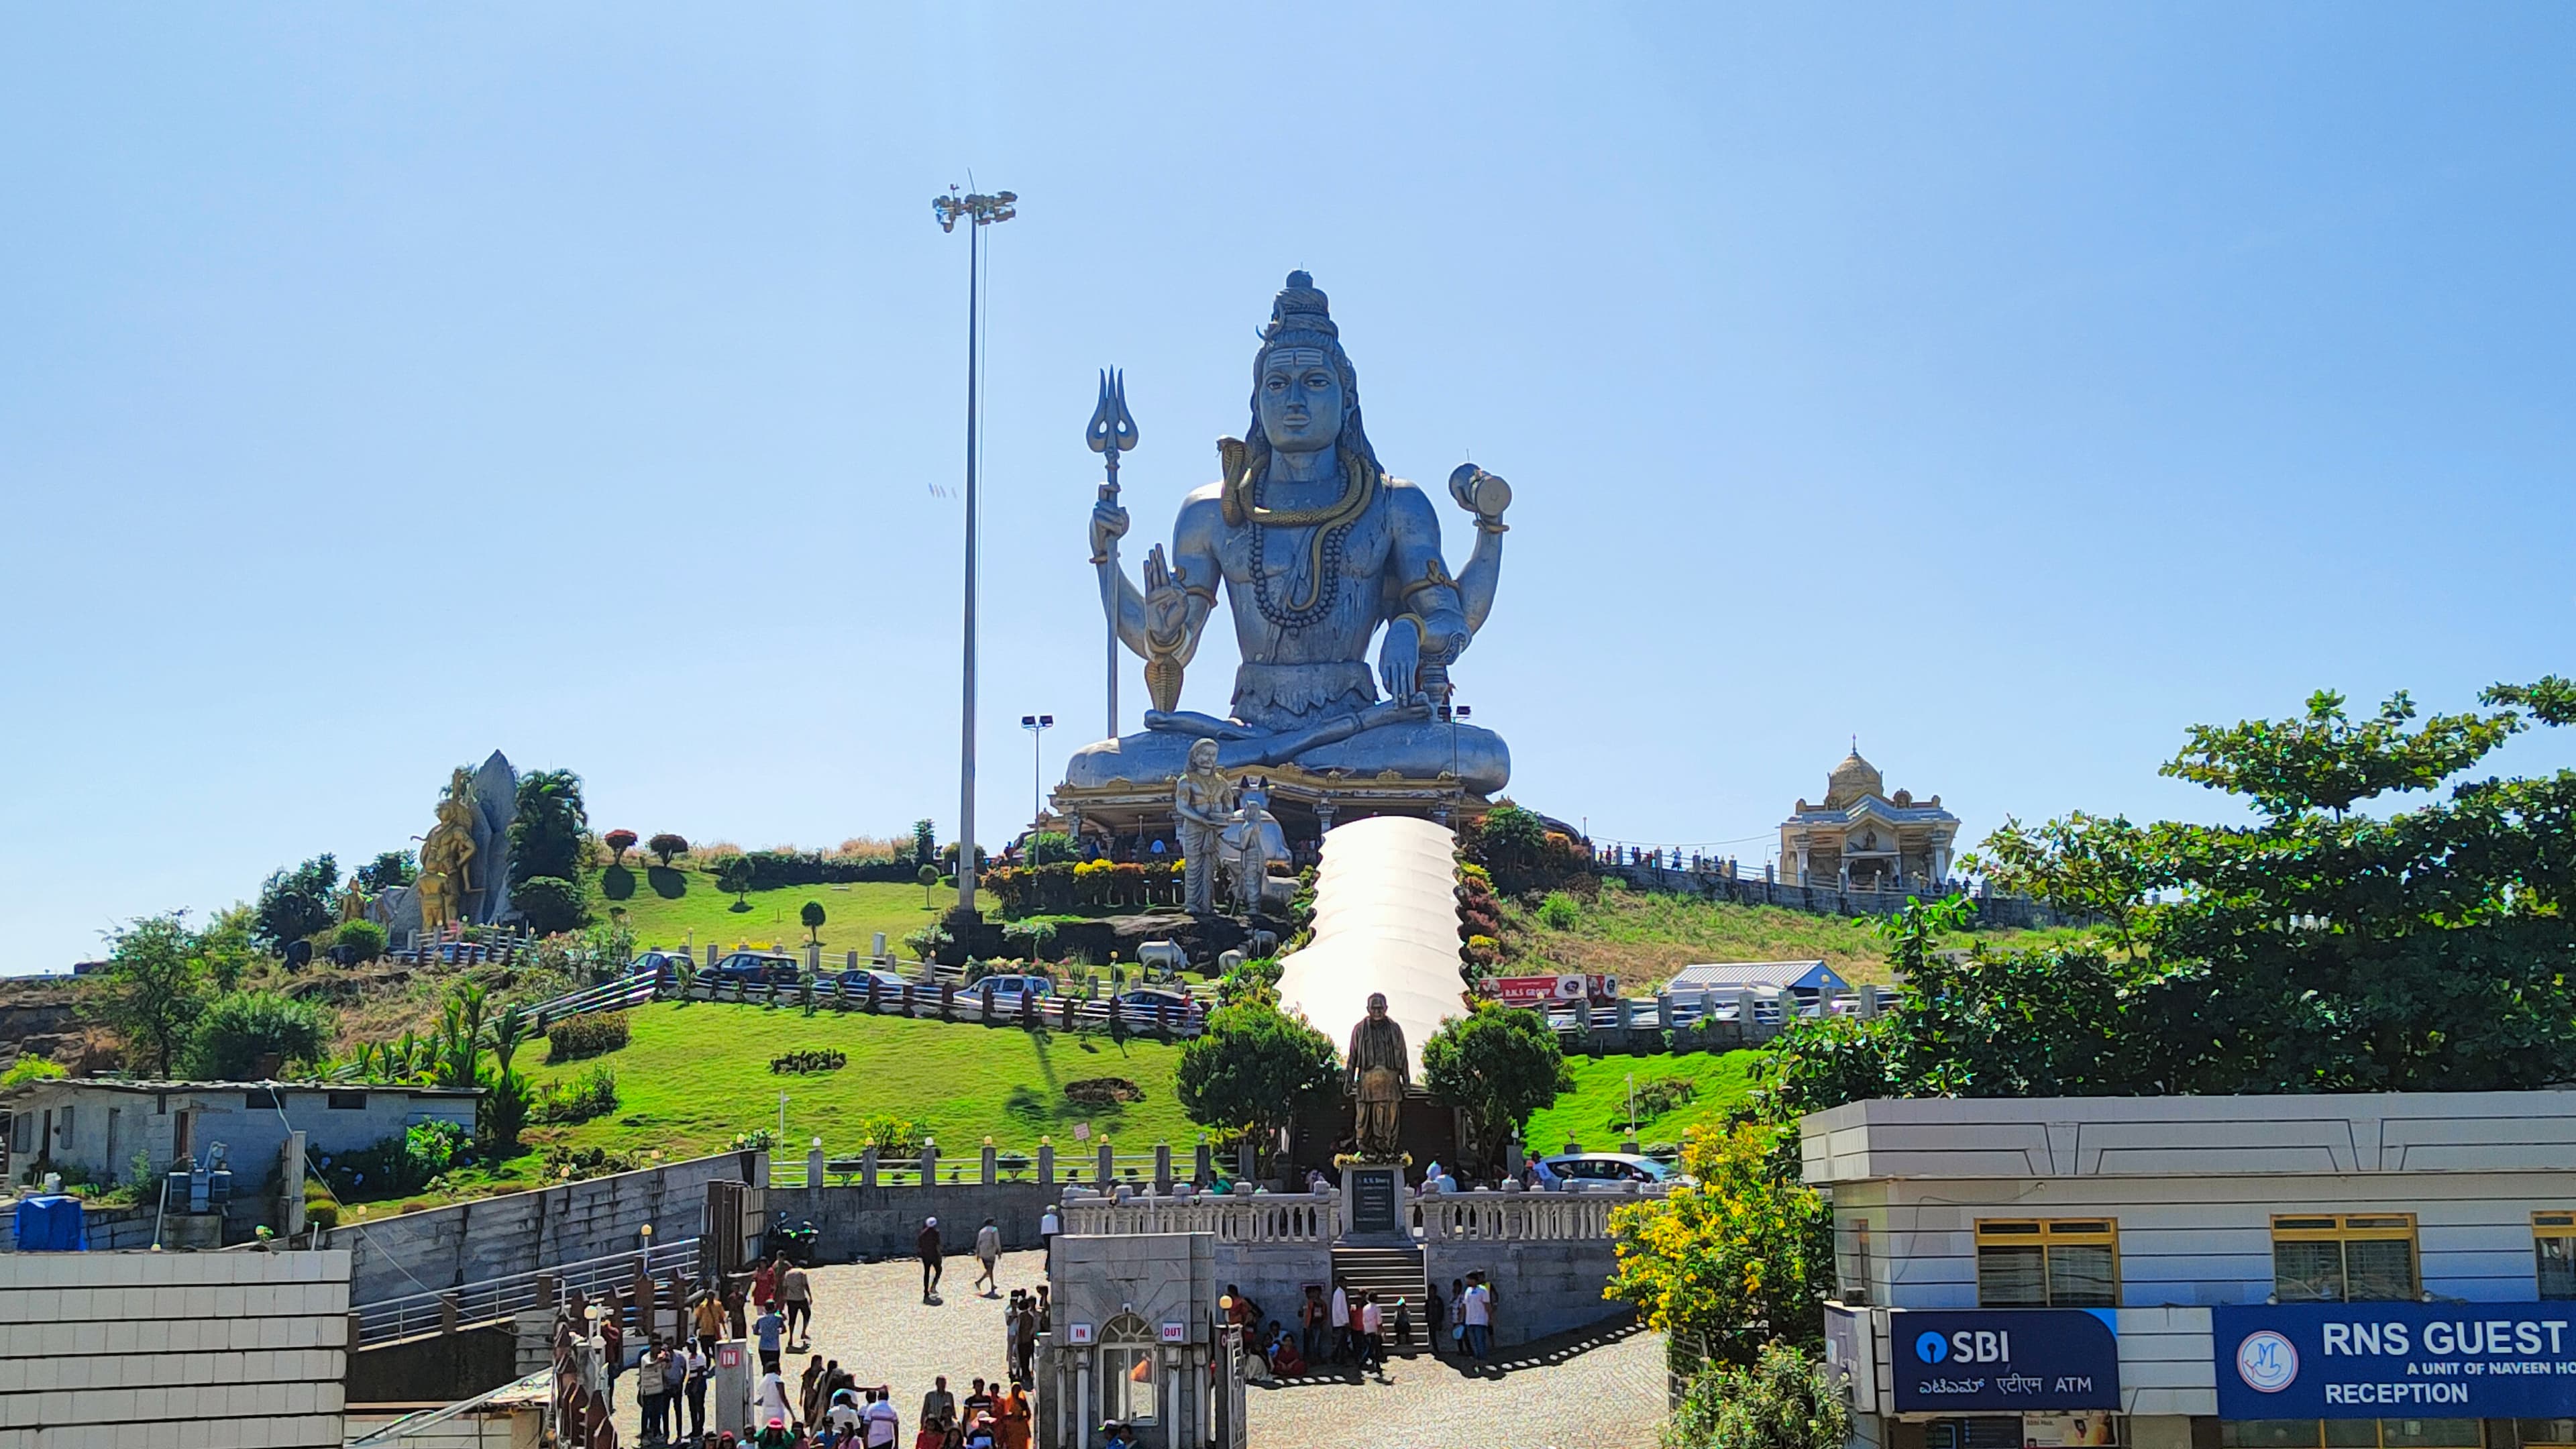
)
(1540, 1288)
(521, 1232)
(219, 1350)
(852, 1223)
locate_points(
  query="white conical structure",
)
(1386, 919)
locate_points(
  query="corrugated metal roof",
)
(122, 1084)
(1763, 976)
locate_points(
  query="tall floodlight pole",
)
(978, 211)
(1037, 725)
(1111, 432)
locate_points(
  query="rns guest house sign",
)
(2014, 1360)
(2396, 1360)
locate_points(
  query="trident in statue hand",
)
(1111, 432)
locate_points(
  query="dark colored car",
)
(755, 968)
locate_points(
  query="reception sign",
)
(2009, 1360)
(2396, 1360)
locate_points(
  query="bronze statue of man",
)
(1379, 1069)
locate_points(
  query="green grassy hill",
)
(695, 1075)
(669, 906)
(1644, 937)
(1596, 1111)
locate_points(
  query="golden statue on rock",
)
(447, 853)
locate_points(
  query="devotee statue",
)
(1378, 1071)
(1200, 803)
(1315, 549)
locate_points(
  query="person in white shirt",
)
(880, 1418)
(1341, 1324)
(1048, 1226)
(988, 1252)
(1372, 1326)
(1478, 1308)
(769, 1400)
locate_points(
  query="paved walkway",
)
(1598, 1392)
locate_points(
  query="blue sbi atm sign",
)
(2013, 1360)
(2396, 1360)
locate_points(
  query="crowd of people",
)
(771, 1307)
(1350, 1329)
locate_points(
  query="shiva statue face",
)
(1301, 399)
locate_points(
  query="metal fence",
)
(494, 1298)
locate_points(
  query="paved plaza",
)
(1602, 1391)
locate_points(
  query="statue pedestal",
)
(1375, 1212)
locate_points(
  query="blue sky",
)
(2010, 387)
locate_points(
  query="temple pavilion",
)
(1863, 838)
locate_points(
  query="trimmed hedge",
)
(586, 1036)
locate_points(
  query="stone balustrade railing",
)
(1292, 1217)
(1524, 1217)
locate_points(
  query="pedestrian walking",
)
(708, 1315)
(1313, 1317)
(1372, 1331)
(809, 1393)
(652, 1397)
(701, 1365)
(988, 1251)
(769, 1399)
(1339, 1316)
(927, 1245)
(771, 1331)
(938, 1403)
(1477, 1309)
(796, 1296)
(1435, 1311)
(612, 1354)
(883, 1423)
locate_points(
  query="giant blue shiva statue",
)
(1316, 549)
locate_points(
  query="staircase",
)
(1390, 1273)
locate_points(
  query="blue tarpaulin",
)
(51, 1224)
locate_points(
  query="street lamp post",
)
(978, 211)
(1037, 725)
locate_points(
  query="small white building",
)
(2287, 1272)
(95, 1127)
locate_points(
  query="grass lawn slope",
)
(1643, 937)
(1594, 1111)
(667, 906)
(695, 1075)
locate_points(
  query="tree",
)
(1739, 1258)
(1497, 1065)
(925, 843)
(2083, 866)
(1254, 1069)
(241, 1027)
(618, 842)
(293, 904)
(546, 836)
(2318, 949)
(390, 869)
(812, 916)
(229, 945)
(551, 904)
(1784, 1400)
(153, 990)
(666, 845)
(734, 875)
(1046, 847)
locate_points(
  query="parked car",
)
(854, 982)
(1145, 1003)
(663, 965)
(755, 968)
(1014, 986)
(1610, 1167)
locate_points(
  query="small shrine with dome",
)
(1863, 838)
